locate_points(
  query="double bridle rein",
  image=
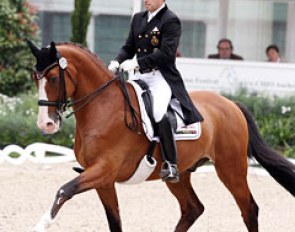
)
(62, 103)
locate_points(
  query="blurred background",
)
(250, 24)
(103, 26)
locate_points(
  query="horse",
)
(110, 149)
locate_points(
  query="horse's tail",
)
(277, 166)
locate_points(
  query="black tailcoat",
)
(155, 44)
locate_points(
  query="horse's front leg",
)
(92, 178)
(64, 193)
(109, 200)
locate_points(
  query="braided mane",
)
(94, 57)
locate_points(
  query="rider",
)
(153, 40)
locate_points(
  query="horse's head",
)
(51, 77)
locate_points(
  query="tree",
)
(80, 21)
(17, 22)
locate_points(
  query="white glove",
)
(113, 66)
(129, 65)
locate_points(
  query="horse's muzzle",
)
(46, 124)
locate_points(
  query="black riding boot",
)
(169, 170)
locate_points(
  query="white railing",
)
(40, 153)
(36, 153)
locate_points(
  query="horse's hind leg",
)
(232, 171)
(190, 205)
(110, 202)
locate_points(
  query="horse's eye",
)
(52, 80)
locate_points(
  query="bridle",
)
(63, 103)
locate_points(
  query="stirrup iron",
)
(169, 172)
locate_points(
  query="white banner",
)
(273, 79)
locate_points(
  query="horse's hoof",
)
(78, 169)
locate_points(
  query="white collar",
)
(152, 15)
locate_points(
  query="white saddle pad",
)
(182, 133)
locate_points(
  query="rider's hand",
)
(114, 66)
(129, 65)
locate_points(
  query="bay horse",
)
(109, 151)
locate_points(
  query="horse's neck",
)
(90, 79)
(104, 106)
(104, 110)
(88, 72)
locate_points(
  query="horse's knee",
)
(65, 193)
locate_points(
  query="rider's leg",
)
(161, 93)
(169, 170)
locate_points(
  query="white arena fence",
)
(42, 153)
(36, 153)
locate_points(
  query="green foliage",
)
(18, 117)
(17, 22)
(275, 119)
(80, 21)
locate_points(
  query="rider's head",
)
(153, 5)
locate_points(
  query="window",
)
(55, 27)
(280, 12)
(193, 39)
(199, 26)
(111, 31)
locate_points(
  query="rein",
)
(90, 96)
(63, 103)
(136, 119)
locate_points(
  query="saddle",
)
(174, 113)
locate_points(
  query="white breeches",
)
(160, 90)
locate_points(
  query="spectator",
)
(225, 51)
(273, 53)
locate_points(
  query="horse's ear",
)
(33, 47)
(53, 50)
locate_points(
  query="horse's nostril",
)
(49, 124)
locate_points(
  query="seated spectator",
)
(273, 53)
(225, 51)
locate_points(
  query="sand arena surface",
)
(28, 190)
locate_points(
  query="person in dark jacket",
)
(225, 51)
(150, 50)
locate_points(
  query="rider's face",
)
(152, 5)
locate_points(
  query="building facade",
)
(251, 25)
